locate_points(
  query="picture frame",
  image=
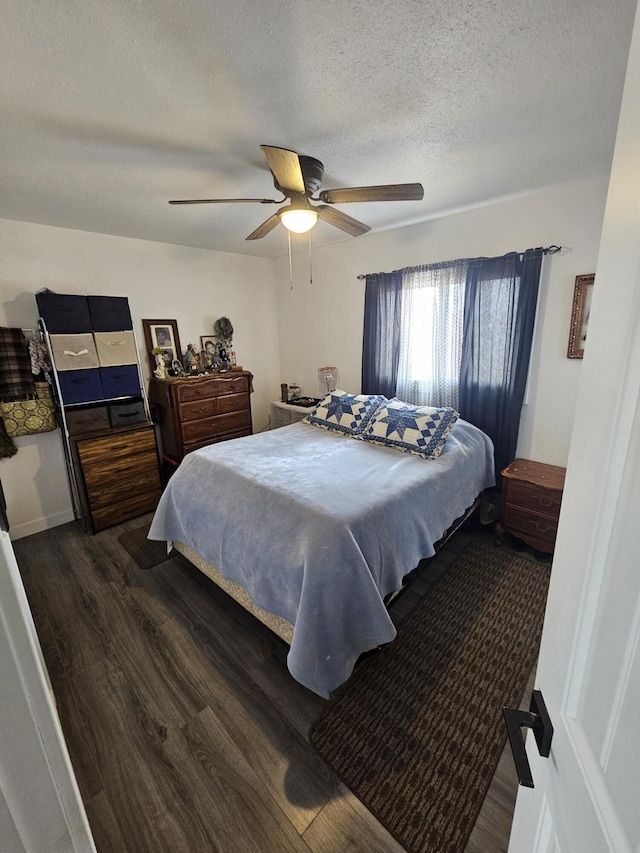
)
(164, 334)
(580, 310)
(212, 340)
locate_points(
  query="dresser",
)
(531, 498)
(200, 410)
(117, 474)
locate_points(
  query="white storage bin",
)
(74, 352)
(115, 348)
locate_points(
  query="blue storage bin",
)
(64, 313)
(109, 313)
(120, 381)
(80, 386)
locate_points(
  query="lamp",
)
(298, 219)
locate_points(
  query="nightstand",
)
(531, 498)
(283, 414)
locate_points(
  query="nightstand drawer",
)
(530, 497)
(536, 529)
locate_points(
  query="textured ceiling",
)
(110, 109)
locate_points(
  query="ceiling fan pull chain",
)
(310, 264)
(290, 264)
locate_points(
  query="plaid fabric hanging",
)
(16, 378)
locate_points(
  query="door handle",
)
(536, 718)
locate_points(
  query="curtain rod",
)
(550, 250)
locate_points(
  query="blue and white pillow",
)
(348, 414)
(422, 430)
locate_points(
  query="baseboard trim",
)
(19, 531)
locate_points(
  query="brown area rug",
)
(145, 552)
(417, 731)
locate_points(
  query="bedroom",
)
(285, 330)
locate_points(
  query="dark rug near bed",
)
(145, 552)
(417, 731)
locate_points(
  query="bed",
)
(312, 530)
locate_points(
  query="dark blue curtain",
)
(381, 339)
(499, 313)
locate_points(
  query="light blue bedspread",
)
(319, 527)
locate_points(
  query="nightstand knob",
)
(542, 528)
(545, 501)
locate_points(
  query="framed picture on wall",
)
(582, 293)
(162, 334)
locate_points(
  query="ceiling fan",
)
(298, 177)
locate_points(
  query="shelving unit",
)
(109, 441)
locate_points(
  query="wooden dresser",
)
(202, 410)
(531, 498)
(117, 474)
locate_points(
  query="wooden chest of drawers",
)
(118, 474)
(195, 412)
(531, 498)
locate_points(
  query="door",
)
(585, 798)
(41, 810)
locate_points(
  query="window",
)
(431, 324)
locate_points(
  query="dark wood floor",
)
(185, 730)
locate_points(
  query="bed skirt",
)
(277, 624)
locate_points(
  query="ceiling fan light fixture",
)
(298, 219)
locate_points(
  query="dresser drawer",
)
(133, 469)
(108, 449)
(226, 436)
(122, 485)
(536, 529)
(233, 403)
(205, 408)
(123, 509)
(212, 427)
(198, 390)
(531, 497)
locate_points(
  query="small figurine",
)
(161, 370)
(191, 359)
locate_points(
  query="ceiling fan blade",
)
(267, 226)
(286, 168)
(227, 201)
(387, 192)
(341, 220)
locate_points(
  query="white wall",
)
(193, 286)
(321, 323)
(284, 332)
